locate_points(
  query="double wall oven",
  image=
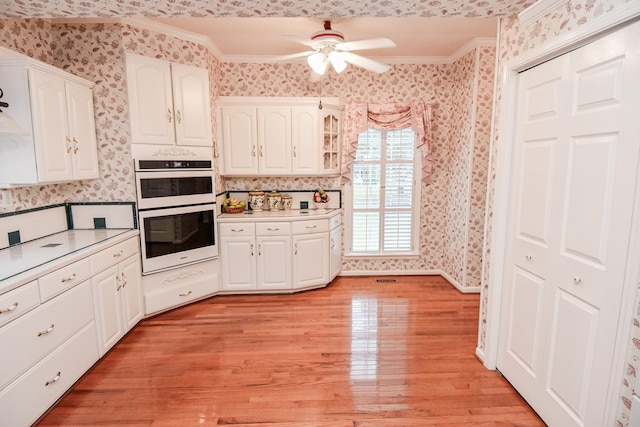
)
(176, 213)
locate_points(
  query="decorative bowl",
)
(233, 210)
(321, 205)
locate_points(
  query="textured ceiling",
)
(261, 8)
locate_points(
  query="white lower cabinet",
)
(310, 259)
(27, 398)
(273, 260)
(55, 326)
(118, 301)
(285, 256)
(255, 256)
(335, 248)
(176, 287)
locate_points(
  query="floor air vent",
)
(386, 280)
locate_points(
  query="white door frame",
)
(580, 37)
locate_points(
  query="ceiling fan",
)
(329, 47)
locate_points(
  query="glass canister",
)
(286, 202)
(273, 200)
(256, 200)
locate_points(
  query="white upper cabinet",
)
(169, 103)
(56, 111)
(274, 140)
(278, 136)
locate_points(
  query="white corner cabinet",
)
(169, 103)
(276, 136)
(51, 322)
(287, 254)
(56, 111)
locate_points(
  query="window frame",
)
(414, 252)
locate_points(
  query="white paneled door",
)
(574, 177)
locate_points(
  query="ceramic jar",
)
(273, 200)
(256, 200)
(286, 202)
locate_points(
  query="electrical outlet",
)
(5, 198)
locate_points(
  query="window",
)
(384, 195)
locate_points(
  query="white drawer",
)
(181, 292)
(236, 229)
(273, 228)
(27, 339)
(64, 366)
(335, 221)
(60, 280)
(17, 302)
(313, 226)
(113, 255)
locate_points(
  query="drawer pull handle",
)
(296, 249)
(118, 254)
(179, 118)
(53, 380)
(251, 250)
(237, 230)
(169, 115)
(13, 307)
(68, 279)
(260, 250)
(185, 294)
(310, 226)
(577, 280)
(273, 229)
(48, 331)
(528, 257)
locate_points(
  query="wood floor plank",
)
(356, 354)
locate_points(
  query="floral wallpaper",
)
(459, 146)
(432, 83)
(514, 41)
(263, 8)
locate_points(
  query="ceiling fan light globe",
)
(337, 61)
(317, 62)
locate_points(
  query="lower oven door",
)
(177, 236)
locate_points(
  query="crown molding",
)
(148, 24)
(537, 11)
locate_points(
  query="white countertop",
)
(25, 257)
(280, 215)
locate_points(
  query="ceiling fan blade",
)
(378, 43)
(297, 38)
(291, 56)
(366, 63)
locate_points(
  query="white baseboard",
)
(447, 277)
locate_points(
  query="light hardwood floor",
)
(357, 353)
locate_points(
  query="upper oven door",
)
(174, 188)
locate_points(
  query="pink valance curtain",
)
(359, 116)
